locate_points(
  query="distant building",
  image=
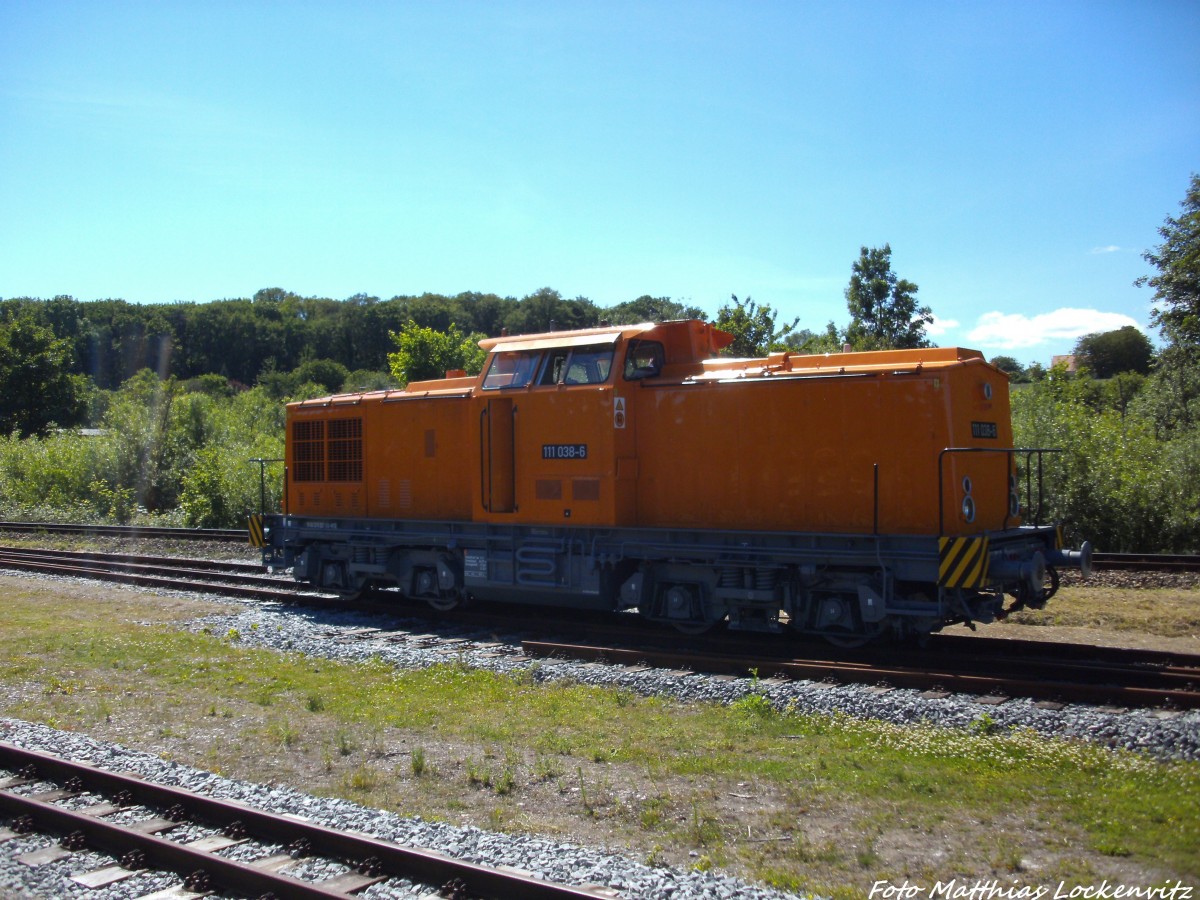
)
(1066, 359)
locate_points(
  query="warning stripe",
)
(962, 561)
(255, 526)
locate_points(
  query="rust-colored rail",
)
(371, 860)
(1174, 686)
(238, 535)
(1147, 562)
(234, 579)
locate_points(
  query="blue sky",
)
(1018, 157)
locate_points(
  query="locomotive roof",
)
(605, 334)
(702, 341)
(787, 362)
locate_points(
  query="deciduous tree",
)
(1177, 284)
(883, 308)
(37, 390)
(422, 353)
(1175, 391)
(1110, 352)
(1010, 366)
(651, 309)
(752, 326)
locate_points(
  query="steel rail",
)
(1180, 687)
(973, 665)
(1147, 562)
(232, 567)
(132, 531)
(389, 859)
(249, 587)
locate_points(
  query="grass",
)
(808, 802)
(1169, 612)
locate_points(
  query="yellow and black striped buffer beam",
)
(962, 562)
(255, 525)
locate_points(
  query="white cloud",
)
(1010, 331)
(940, 326)
(1111, 248)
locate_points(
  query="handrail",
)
(484, 456)
(1010, 452)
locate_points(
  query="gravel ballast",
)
(1163, 734)
(546, 859)
(351, 637)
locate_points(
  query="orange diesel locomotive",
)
(849, 496)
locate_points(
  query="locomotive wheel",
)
(681, 598)
(689, 627)
(846, 640)
(353, 595)
(446, 602)
(683, 626)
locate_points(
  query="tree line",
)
(183, 395)
(55, 355)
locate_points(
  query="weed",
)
(506, 783)
(528, 676)
(345, 742)
(757, 705)
(984, 724)
(314, 703)
(583, 797)
(62, 687)
(546, 768)
(652, 813)
(705, 828)
(417, 762)
(477, 776)
(283, 732)
(362, 779)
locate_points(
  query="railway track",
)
(987, 668)
(1147, 562)
(133, 823)
(238, 579)
(994, 668)
(134, 532)
(1181, 562)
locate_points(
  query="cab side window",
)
(644, 359)
(512, 369)
(577, 365)
(554, 367)
(589, 365)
